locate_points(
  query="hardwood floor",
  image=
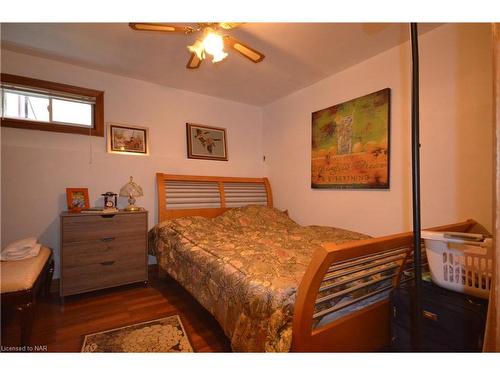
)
(62, 327)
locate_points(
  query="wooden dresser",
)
(102, 250)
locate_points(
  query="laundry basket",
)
(460, 261)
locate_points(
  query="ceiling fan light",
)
(219, 56)
(198, 49)
(213, 44)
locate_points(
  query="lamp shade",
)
(131, 189)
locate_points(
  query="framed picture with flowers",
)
(351, 144)
(77, 199)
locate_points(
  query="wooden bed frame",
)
(364, 330)
(205, 190)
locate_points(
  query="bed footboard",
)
(341, 277)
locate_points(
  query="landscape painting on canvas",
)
(350, 144)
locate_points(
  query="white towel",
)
(30, 241)
(22, 249)
(28, 253)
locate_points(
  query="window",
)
(42, 105)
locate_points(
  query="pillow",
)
(255, 216)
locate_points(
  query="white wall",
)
(456, 137)
(37, 166)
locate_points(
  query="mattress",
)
(244, 267)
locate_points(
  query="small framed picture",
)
(77, 199)
(206, 142)
(125, 139)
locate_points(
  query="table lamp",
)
(131, 190)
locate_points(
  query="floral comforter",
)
(244, 267)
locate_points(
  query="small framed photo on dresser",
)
(127, 139)
(77, 199)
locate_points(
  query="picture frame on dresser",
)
(77, 199)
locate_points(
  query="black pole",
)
(415, 148)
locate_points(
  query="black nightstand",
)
(452, 322)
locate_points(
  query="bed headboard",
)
(209, 196)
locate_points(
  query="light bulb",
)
(214, 45)
(219, 56)
(198, 49)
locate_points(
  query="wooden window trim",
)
(98, 128)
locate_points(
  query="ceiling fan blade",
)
(161, 27)
(194, 62)
(243, 49)
(230, 25)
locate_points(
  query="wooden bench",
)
(22, 281)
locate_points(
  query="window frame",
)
(98, 109)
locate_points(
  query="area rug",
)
(166, 335)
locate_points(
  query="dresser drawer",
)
(103, 250)
(94, 227)
(107, 273)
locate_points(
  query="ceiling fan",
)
(212, 42)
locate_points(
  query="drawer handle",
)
(108, 216)
(107, 239)
(428, 315)
(108, 263)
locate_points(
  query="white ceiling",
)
(297, 54)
